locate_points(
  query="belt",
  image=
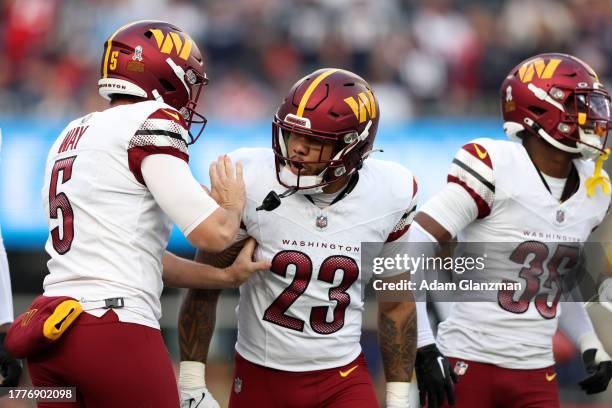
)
(110, 303)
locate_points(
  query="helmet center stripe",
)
(311, 89)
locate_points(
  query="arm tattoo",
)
(198, 312)
(397, 338)
(196, 323)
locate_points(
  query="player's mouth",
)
(296, 166)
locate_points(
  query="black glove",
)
(10, 368)
(600, 374)
(434, 377)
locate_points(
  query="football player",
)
(299, 322)
(115, 183)
(531, 194)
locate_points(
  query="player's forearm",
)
(218, 231)
(397, 334)
(197, 320)
(183, 273)
(197, 316)
(229, 225)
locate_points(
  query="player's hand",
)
(600, 373)
(435, 377)
(10, 368)
(244, 266)
(227, 184)
(192, 386)
(199, 397)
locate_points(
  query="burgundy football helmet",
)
(155, 60)
(328, 105)
(559, 98)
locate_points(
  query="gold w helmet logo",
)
(362, 106)
(166, 43)
(538, 68)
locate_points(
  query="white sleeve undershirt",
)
(574, 320)
(421, 243)
(452, 207)
(178, 193)
(425, 335)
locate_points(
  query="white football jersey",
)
(107, 233)
(514, 206)
(305, 313)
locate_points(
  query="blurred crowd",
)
(423, 57)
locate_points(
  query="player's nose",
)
(300, 146)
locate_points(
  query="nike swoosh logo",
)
(344, 374)
(172, 114)
(197, 404)
(480, 153)
(550, 377)
(441, 363)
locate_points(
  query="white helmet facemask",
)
(589, 145)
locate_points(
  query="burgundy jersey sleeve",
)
(163, 132)
(472, 169)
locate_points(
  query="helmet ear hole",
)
(536, 110)
(167, 85)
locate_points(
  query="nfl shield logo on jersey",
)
(321, 222)
(237, 385)
(560, 216)
(460, 368)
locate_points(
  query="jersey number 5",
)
(276, 312)
(60, 201)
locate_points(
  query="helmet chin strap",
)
(588, 146)
(157, 96)
(551, 140)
